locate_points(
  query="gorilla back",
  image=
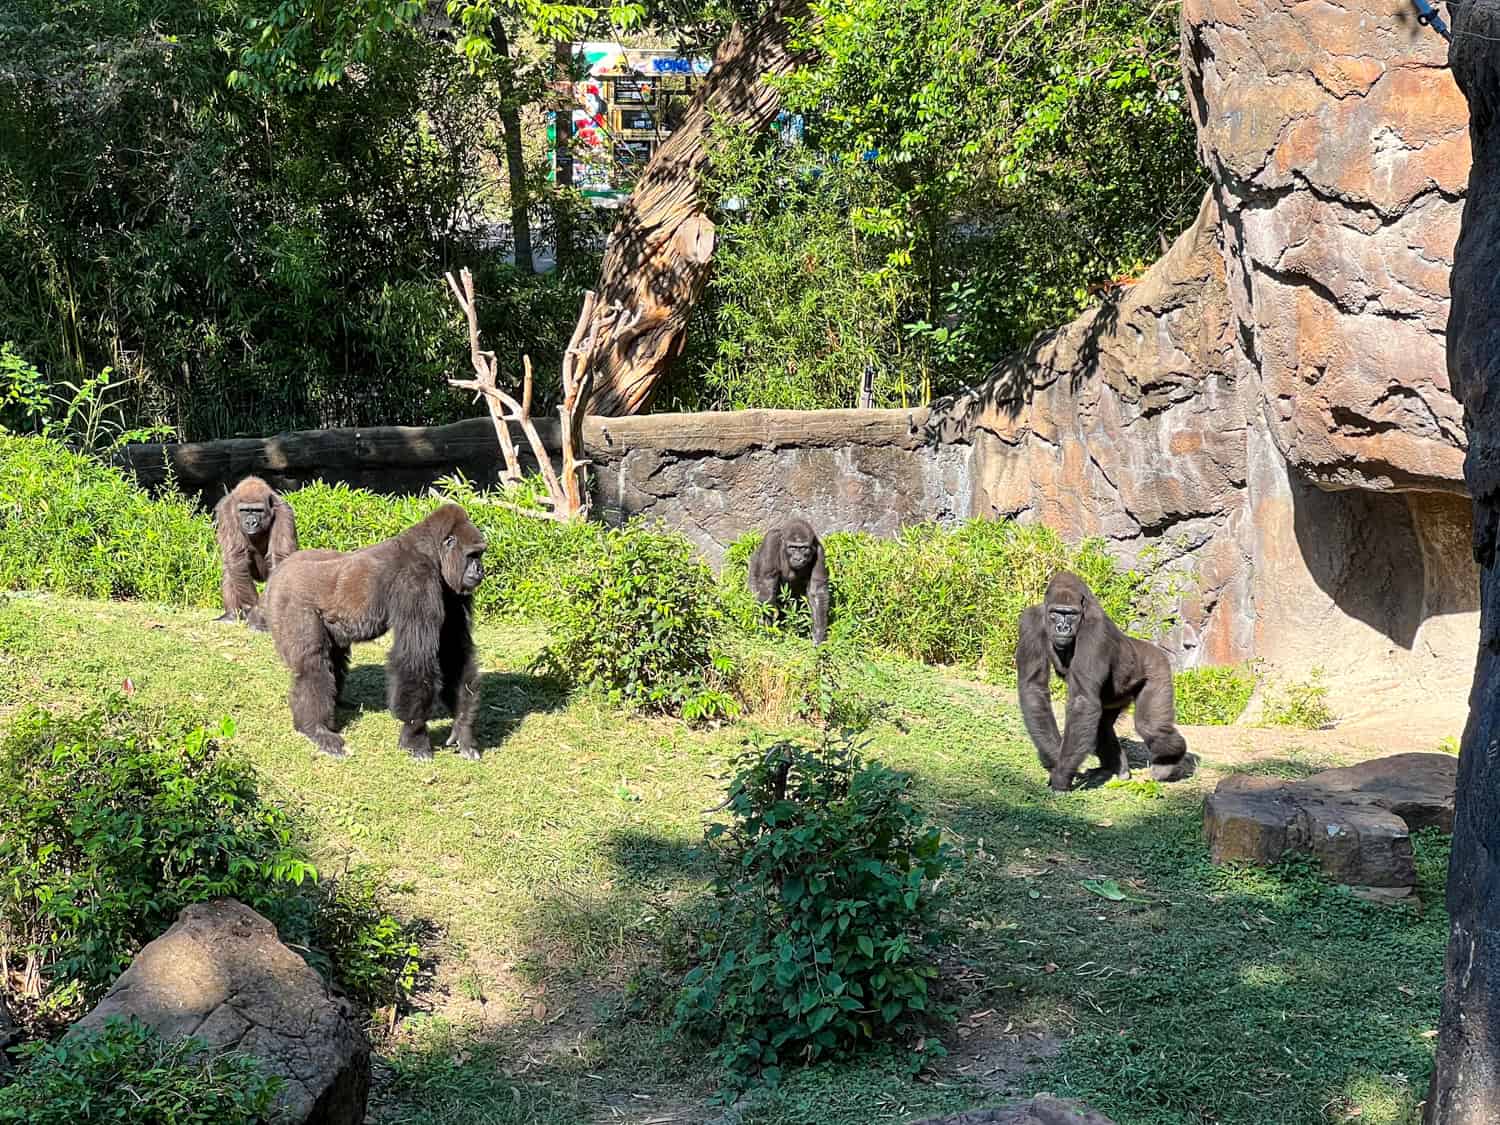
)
(1105, 672)
(418, 584)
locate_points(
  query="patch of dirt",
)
(996, 1052)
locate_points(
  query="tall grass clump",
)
(953, 596)
(71, 525)
(1213, 695)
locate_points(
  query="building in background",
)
(627, 102)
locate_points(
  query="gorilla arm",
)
(1034, 678)
(817, 597)
(283, 540)
(460, 674)
(237, 588)
(413, 671)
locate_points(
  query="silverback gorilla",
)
(1105, 671)
(418, 584)
(256, 533)
(791, 556)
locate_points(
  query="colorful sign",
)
(626, 104)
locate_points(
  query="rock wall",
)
(1268, 408)
(716, 476)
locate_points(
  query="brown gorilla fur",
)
(418, 584)
(256, 532)
(1105, 671)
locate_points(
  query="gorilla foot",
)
(416, 742)
(228, 617)
(256, 622)
(465, 743)
(1174, 771)
(328, 742)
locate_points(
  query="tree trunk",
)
(515, 157)
(657, 260)
(562, 215)
(1465, 1086)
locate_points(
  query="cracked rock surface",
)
(1356, 820)
(221, 975)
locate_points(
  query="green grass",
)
(558, 875)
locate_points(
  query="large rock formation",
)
(221, 976)
(1269, 403)
(1466, 1080)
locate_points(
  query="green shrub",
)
(73, 526)
(126, 1074)
(636, 615)
(820, 938)
(944, 596)
(1212, 695)
(111, 822)
(1302, 704)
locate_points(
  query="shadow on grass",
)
(1189, 993)
(505, 699)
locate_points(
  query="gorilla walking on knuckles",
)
(419, 585)
(791, 556)
(1105, 671)
(256, 533)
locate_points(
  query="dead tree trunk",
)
(658, 257)
(1465, 1086)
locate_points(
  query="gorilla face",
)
(463, 559)
(1064, 621)
(254, 518)
(799, 557)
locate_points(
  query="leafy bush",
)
(1212, 695)
(111, 822)
(126, 1073)
(1303, 704)
(73, 526)
(821, 937)
(636, 615)
(944, 596)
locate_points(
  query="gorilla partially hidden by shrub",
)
(419, 585)
(790, 562)
(256, 532)
(1105, 672)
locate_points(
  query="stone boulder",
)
(221, 975)
(1043, 1109)
(1356, 820)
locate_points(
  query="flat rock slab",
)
(221, 975)
(1043, 1109)
(1356, 820)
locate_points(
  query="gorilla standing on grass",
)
(1105, 672)
(256, 533)
(419, 585)
(791, 557)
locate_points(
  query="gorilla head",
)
(1065, 599)
(462, 556)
